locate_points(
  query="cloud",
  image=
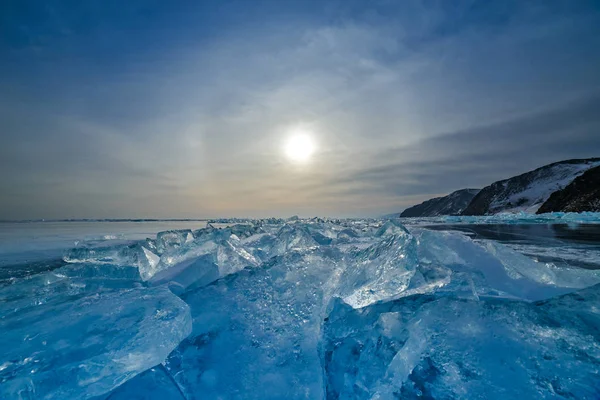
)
(478, 156)
(406, 100)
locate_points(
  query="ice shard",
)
(80, 346)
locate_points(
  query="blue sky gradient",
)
(179, 109)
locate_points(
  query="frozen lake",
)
(301, 309)
(34, 241)
(559, 243)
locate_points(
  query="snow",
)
(544, 184)
(305, 309)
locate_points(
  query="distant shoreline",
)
(109, 220)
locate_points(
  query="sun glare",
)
(299, 147)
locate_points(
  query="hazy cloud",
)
(181, 110)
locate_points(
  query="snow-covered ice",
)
(302, 309)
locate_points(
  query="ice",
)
(546, 273)
(347, 234)
(176, 250)
(270, 315)
(172, 239)
(215, 255)
(136, 255)
(391, 228)
(148, 268)
(493, 270)
(290, 238)
(585, 256)
(447, 348)
(245, 230)
(405, 264)
(153, 384)
(79, 346)
(255, 333)
(189, 274)
(381, 271)
(510, 218)
(302, 308)
(64, 284)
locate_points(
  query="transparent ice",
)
(74, 333)
(302, 309)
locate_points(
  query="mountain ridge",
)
(452, 204)
(583, 194)
(529, 190)
(526, 192)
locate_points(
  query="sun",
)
(299, 147)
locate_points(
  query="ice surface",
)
(509, 218)
(493, 270)
(306, 309)
(256, 332)
(381, 271)
(62, 285)
(290, 238)
(153, 384)
(80, 345)
(270, 316)
(137, 255)
(448, 348)
(211, 256)
(172, 239)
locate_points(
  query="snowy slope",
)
(583, 194)
(527, 192)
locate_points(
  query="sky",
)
(184, 109)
